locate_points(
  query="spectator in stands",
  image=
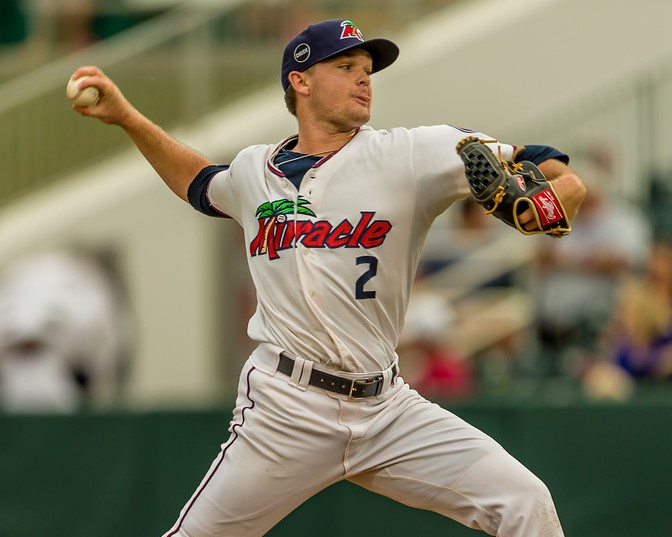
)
(63, 334)
(457, 234)
(578, 274)
(639, 337)
(431, 363)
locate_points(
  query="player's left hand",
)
(569, 189)
(567, 185)
(522, 194)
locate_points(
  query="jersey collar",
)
(270, 163)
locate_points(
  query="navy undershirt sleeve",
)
(198, 191)
(539, 153)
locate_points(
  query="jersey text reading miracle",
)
(276, 233)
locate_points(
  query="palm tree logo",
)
(277, 210)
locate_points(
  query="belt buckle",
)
(364, 382)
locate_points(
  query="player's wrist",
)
(571, 192)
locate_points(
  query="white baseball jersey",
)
(333, 263)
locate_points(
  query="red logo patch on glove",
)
(547, 207)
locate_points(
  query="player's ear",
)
(299, 81)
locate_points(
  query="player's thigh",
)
(272, 462)
(434, 460)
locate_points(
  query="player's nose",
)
(364, 78)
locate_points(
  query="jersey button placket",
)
(308, 183)
(312, 294)
(306, 275)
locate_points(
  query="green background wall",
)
(609, 468)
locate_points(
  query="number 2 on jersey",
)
(372, 262)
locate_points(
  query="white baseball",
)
(87, 97)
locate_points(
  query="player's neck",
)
(315, 142)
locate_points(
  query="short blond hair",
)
(290, 100)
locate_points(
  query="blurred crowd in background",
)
(592, 310)
(68, 25)
(36, 31)
(600, 300)
(33, 32)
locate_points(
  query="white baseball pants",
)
(289, 441)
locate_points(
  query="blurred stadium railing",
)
(200, 54)
(631, 119)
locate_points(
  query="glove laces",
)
(511, 167)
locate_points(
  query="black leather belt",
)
(366, 387)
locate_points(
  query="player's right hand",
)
(112, 107)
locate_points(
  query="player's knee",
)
(531, 504)
(530, 491)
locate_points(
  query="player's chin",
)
(361, 114)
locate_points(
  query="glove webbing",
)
(510, 166)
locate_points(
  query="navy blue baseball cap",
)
(330, 38)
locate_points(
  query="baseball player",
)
(334, 220)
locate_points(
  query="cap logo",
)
(301, 53)
(350, 30)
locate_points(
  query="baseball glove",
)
(506, 189)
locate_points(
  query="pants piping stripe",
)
(234, 436)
